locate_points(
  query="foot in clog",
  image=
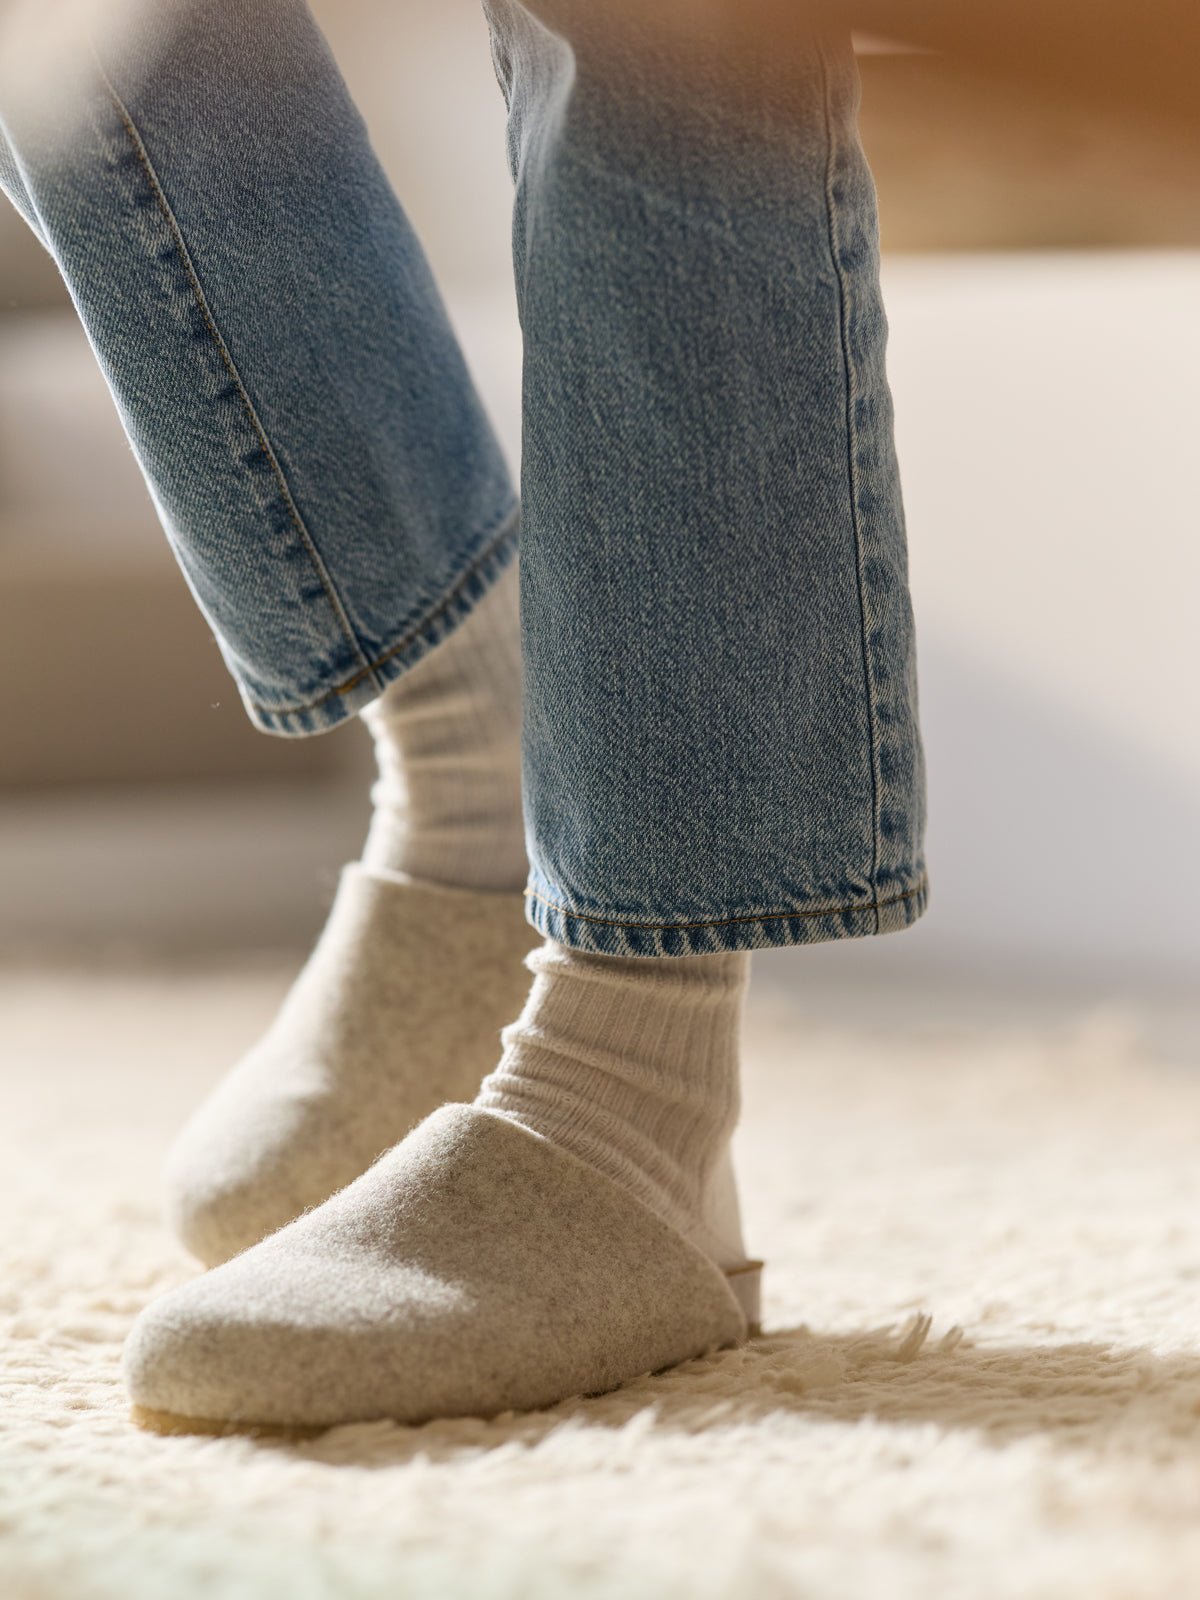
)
(475, 1268)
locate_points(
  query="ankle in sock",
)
(632, 1066)
(447, 803)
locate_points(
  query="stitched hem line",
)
(729, 922)
(493, 549)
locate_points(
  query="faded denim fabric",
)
(721, 745)
(277, 348)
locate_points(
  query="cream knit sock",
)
(447, 803)
(632, 1066)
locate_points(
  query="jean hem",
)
(344, 699)
(614, 935)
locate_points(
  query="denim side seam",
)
(282, 487)
(343, 699)
(12, 183)
(753, 931)
(845, 313)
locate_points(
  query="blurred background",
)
(1042, 274)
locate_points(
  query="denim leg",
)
(275, 344)
(721, 744)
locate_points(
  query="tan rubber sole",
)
(169, 1423)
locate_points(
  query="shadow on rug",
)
(1082, 1394)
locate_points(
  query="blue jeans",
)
(721, 747)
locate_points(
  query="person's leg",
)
(275, 345)
(324, 471)
(399, 1008)
(721, 750)
(721, 720)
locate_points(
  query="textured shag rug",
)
(981, 1374)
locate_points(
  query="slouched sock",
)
(447, 802)
(632, 1066)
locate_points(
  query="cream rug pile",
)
(981, 1375)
